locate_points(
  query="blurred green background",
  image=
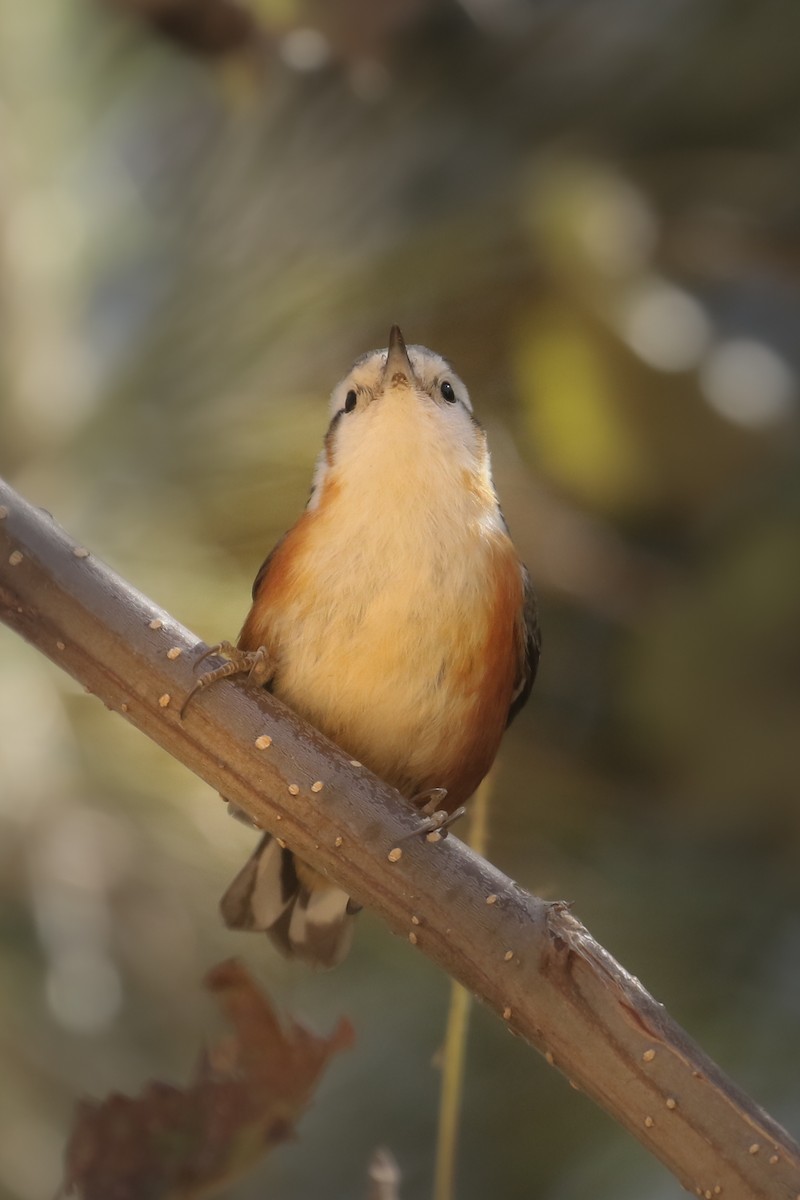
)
(594, 212)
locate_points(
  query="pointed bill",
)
(398, 369)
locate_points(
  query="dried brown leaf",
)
(181, 1144)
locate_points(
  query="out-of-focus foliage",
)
(593, 211)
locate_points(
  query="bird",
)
(395, 616)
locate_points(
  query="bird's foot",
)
(429, 801)
(438, 823)
(254, 663)
(439, 819)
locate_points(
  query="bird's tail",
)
(304, 915)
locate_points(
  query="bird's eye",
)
(447, 391)
(350, 401)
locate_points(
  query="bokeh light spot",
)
(748, 382)
(665, 326)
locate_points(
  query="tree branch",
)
(530, 961)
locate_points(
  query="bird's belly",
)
(406, 680)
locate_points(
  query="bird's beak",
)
(398, 371)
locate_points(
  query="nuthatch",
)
(395, 616)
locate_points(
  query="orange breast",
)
(469, 748)
(409, 672)
(288, 574)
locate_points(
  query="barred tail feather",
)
(268, 895)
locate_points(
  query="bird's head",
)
(401, 401)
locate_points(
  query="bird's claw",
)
(430, 801)
(439, 820)
(438, 823)
(254, 663)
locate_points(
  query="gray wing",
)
(530, 647)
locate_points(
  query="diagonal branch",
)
(530, 961)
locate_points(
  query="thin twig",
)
(530, 961)
(454, 1052)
